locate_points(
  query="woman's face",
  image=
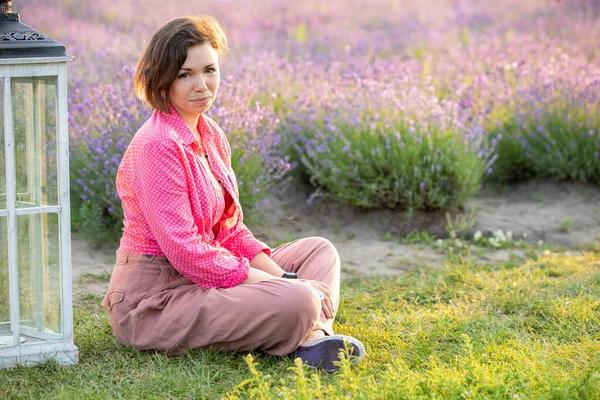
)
(195, 88)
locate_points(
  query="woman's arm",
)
(264, 263)
(255, 275)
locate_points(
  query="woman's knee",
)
(321, 242)
(303, 303)
(323, 246)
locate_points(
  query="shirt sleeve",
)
(160, 183)
(242, 243)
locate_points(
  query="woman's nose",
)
(200, 85)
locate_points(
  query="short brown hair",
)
(160, 62)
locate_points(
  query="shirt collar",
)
(183, 130)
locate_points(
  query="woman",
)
(189, 273)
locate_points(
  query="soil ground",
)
(562, 214)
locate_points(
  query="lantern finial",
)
(5, 6)
(18, 40)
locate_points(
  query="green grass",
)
(88, 277)
(527, 330)
(565, 225)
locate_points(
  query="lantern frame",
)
(61, 349)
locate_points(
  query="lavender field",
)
(379, 104)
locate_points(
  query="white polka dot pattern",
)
(173, 205)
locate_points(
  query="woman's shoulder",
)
(158, 131)
(218, 133)
(212, 124)
(219, 138)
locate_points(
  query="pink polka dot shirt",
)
(174, 206)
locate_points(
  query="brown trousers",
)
(152, 306)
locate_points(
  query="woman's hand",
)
(325, 293)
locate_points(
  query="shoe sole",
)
(322, 353)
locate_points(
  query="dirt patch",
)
(90, 261)
(565, 214)
(557, 213)
(368, 241)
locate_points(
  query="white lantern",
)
(36, 312)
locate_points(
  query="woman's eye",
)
(211, 70)
(184, 75)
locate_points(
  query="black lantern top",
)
(17, 40)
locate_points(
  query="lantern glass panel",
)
(39, 276)
(2, 151)
(35, 115)
(6, 336)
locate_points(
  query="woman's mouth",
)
(202, 101)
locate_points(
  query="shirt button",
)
(220, 181)
(206, 155)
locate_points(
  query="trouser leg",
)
(313, 258)
(176, 315)
(274, 316)
(172, 313)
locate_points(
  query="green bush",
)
(395, 163)
(560, 142)
(511, 164)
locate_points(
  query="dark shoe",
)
(322, 353)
